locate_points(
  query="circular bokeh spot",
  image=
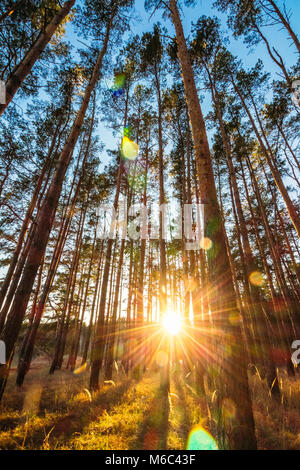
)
(229, 409)
(200, 439)
(256, 278)
(129, 149)
(161, 358)
(206, 243)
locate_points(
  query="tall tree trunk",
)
(69, 296)
(13, 7)
(46, 166)
(113, 319)
(237, 388)
(31, 320)
(45, 220)
(162, 242)
(128, 333)
(73, 358)
(274, 170)
(61, 239)
(141, 269)
(275, 56)
(29, 341)
(253, 299)
(5, 176)
(89, 330)
(23, 69)
(100, 338)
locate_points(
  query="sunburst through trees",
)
(150, 222)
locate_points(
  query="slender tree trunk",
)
(78, 333)
(45, 219)
(285, 23)
(112, 326)
(276, 57)
(47, 166)
(128, 334)
(253, 298)
(99, 339)
(274, 170)
(69, 296)
(89, 330)
(162, 243)
(141, 269)
(237, 388)
(13, 7)
(31, 320)
(78, 320)
(278, 333)
(61, 239)
(23, 69)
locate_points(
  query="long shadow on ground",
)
(183, 408)
(71, 420)
(154, 429)
(85, 413)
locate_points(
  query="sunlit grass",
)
(133, 414)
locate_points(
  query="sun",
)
(172, 323)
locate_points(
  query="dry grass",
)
(277, 425)
(58, 412)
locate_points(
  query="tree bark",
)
(23, 69)
(286, 24)
(274, 170)
(45, 219)
(237, 388)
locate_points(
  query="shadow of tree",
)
(67, 418)
(185, 422)
(84, 413)
(153, 433)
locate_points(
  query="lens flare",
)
(137, 181)
(256, 278)
(129, 149)
(229, 409)
(80, 369)
(200, 439)
(206, 243)
(161, 358)
(234, 318)
(119, 81)
(172, 323)
(127, 131)
(116, 84)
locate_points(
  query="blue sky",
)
(205, 7)
(277, 37)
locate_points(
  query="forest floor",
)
(58, 412)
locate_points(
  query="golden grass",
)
(58, 412)
(277, 426)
